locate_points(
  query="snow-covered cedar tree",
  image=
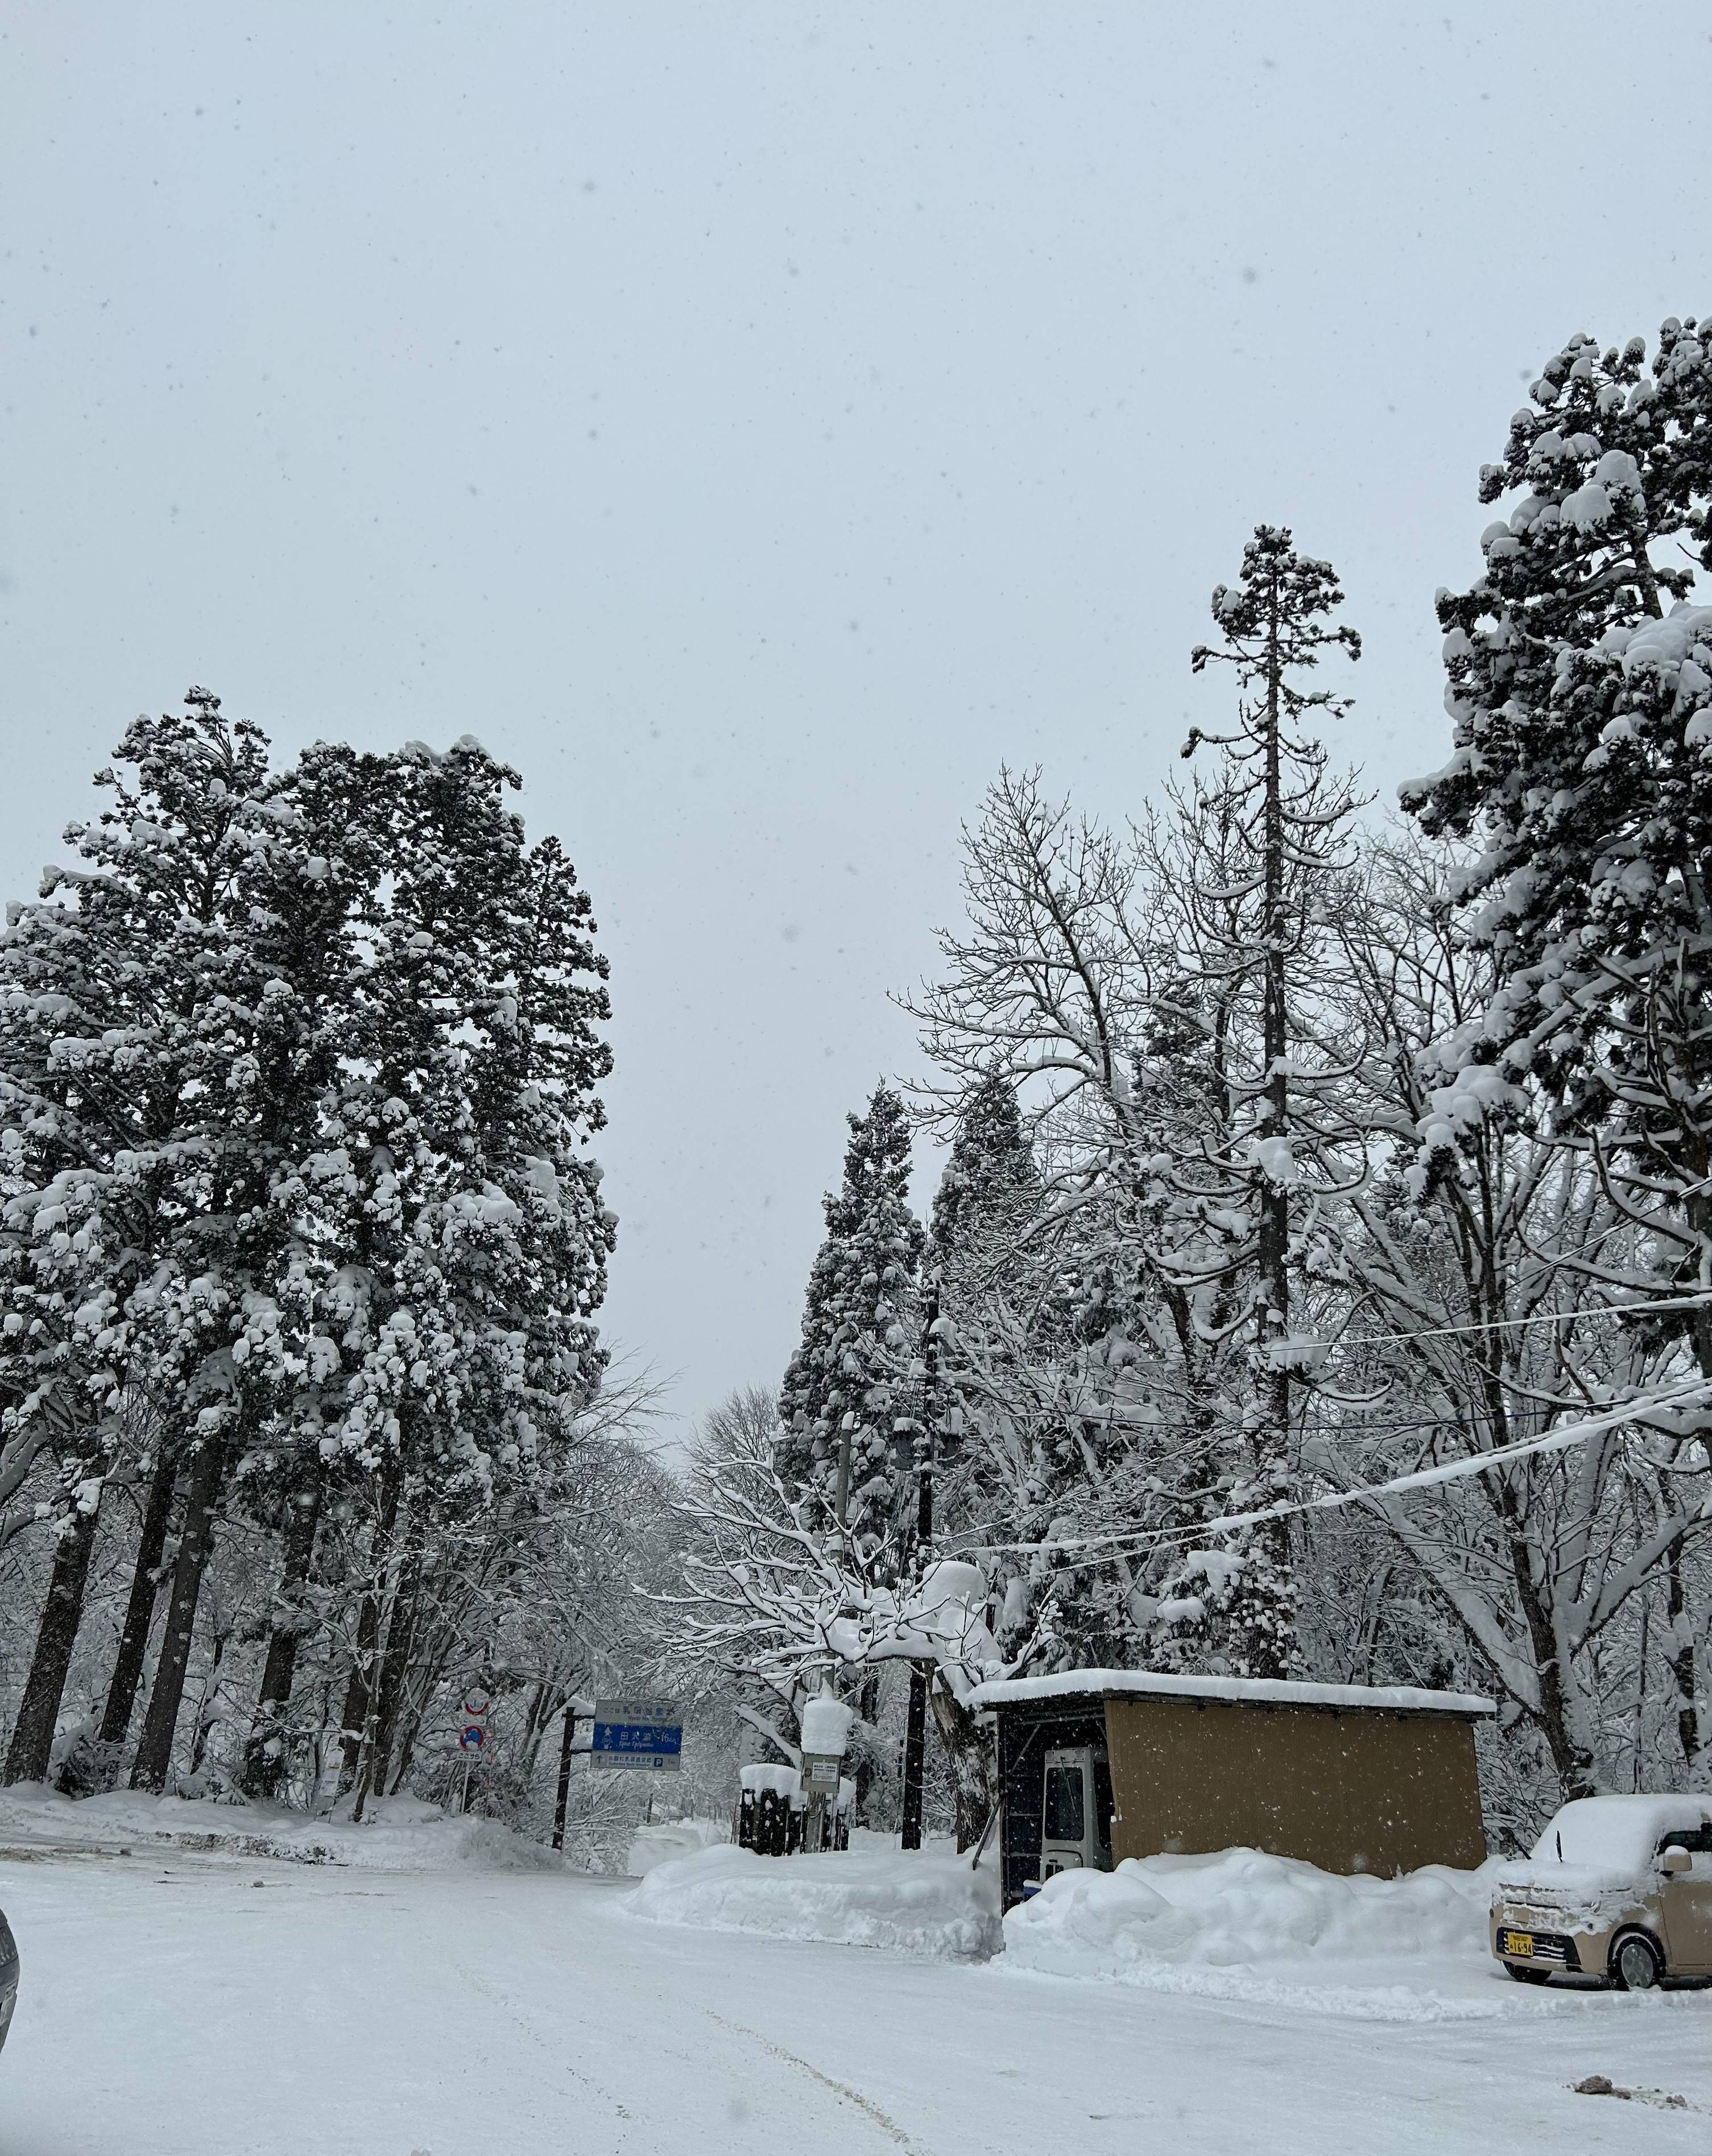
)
(990, 1190)
(162, 1036)
(452, 1243)
(1283, 817)
(1156, 1003)
(298, 1073)
(843, 1396)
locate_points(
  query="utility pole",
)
(922, 1673)
(563, 1798)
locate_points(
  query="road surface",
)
(178, 2005)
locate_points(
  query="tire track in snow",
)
(509, 2006)
(888, 2125)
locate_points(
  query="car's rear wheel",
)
(1637, 1963)
(1527, 1975)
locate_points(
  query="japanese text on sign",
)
(646, 1733)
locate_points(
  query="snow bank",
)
(399, 1834)
(668, 1839)
(1241, 1924)
(935, 1907)
(1240, 1906)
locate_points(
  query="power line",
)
(1501, 1324)
(1480, 1463)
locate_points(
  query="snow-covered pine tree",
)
(1581, 712)
(1580, 691)
(842, 1395)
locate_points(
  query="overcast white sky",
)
(759, 421)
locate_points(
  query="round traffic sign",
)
(474, 1738)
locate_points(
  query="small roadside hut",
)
(1352, 1777)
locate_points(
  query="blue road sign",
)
(645, 1734)
(474, 1738)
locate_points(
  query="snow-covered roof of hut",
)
(1257, 1692)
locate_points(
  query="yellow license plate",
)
(1520, 1945)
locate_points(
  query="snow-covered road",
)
(174, 2006)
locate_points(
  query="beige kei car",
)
(1618, 1887)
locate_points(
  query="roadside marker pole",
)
(472, 1738)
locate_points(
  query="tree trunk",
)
(140, 1610)
(208, 1714)
(970, 1757)
(1265, 1611)
(915, 1757)
(154, 1754)
(401, 1636)
(28, 1755)
(359, 1691)
(265, 1756)
(1681, 1660)
(867, 1714)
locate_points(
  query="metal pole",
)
(915, 1727)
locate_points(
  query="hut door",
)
(1070, 1837)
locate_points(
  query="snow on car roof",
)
(1262, 1692)
(1621, 1831)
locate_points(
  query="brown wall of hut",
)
(1350, 1791)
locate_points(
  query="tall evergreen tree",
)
(1580, 690)
(990, 1187)
(1281, 817)
(842, 1397)
(449, 1241)
(297, 1072)
(148, 996)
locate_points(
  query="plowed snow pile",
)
(1240, 1924)
(917, 1904)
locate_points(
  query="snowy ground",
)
(171, 2004)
